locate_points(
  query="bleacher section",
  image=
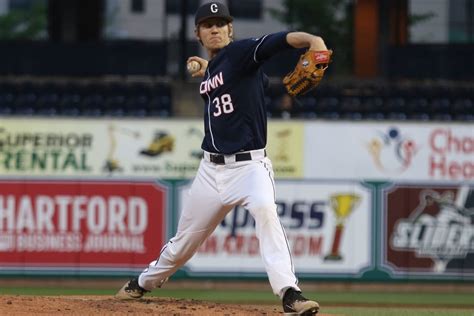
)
(419, 101)
(85, 98)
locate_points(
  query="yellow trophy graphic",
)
(342, 204)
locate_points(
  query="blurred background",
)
(62, 57)
(100, 131)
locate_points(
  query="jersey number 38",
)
(223, 104)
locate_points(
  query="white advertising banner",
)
(389, 151)
(132, 148)
(61, 147)
(328, 225)
(299, 150)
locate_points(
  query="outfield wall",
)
(359, 200)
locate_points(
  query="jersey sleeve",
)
(251, 53)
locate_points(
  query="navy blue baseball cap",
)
(212, 10)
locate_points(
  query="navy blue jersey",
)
(233, 91)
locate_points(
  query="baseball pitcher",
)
(235, 169)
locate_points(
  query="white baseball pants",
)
(215, 190)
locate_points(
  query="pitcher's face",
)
(214, 33)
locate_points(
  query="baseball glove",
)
(308, 73)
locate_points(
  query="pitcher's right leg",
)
(201, 213)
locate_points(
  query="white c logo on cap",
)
(214, 8)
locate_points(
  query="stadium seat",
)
(351, 108)
(69, 104)
(47, 104)
(114, 105)
(463, 109)
(92, 105)
(6, 104)
(372, 108)
(137, 105)
(25, 104)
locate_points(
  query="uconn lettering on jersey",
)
(211, 83)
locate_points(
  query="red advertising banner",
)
(81, 224)
(429, 230)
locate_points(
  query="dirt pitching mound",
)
(107, 305)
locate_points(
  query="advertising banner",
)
(81, 225)
(81, 148)
(117, 148)
(389, 151)
(429, 230)
(285, 147)
(328, 226)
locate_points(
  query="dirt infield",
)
(107, 305)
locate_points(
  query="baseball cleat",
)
(131, 290)
(296, 304)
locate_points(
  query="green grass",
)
(52, 291)
(369, 311)
(454, 299)
(399, 304)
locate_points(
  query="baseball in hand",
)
(193, 66)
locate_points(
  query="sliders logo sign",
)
(431, 229)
